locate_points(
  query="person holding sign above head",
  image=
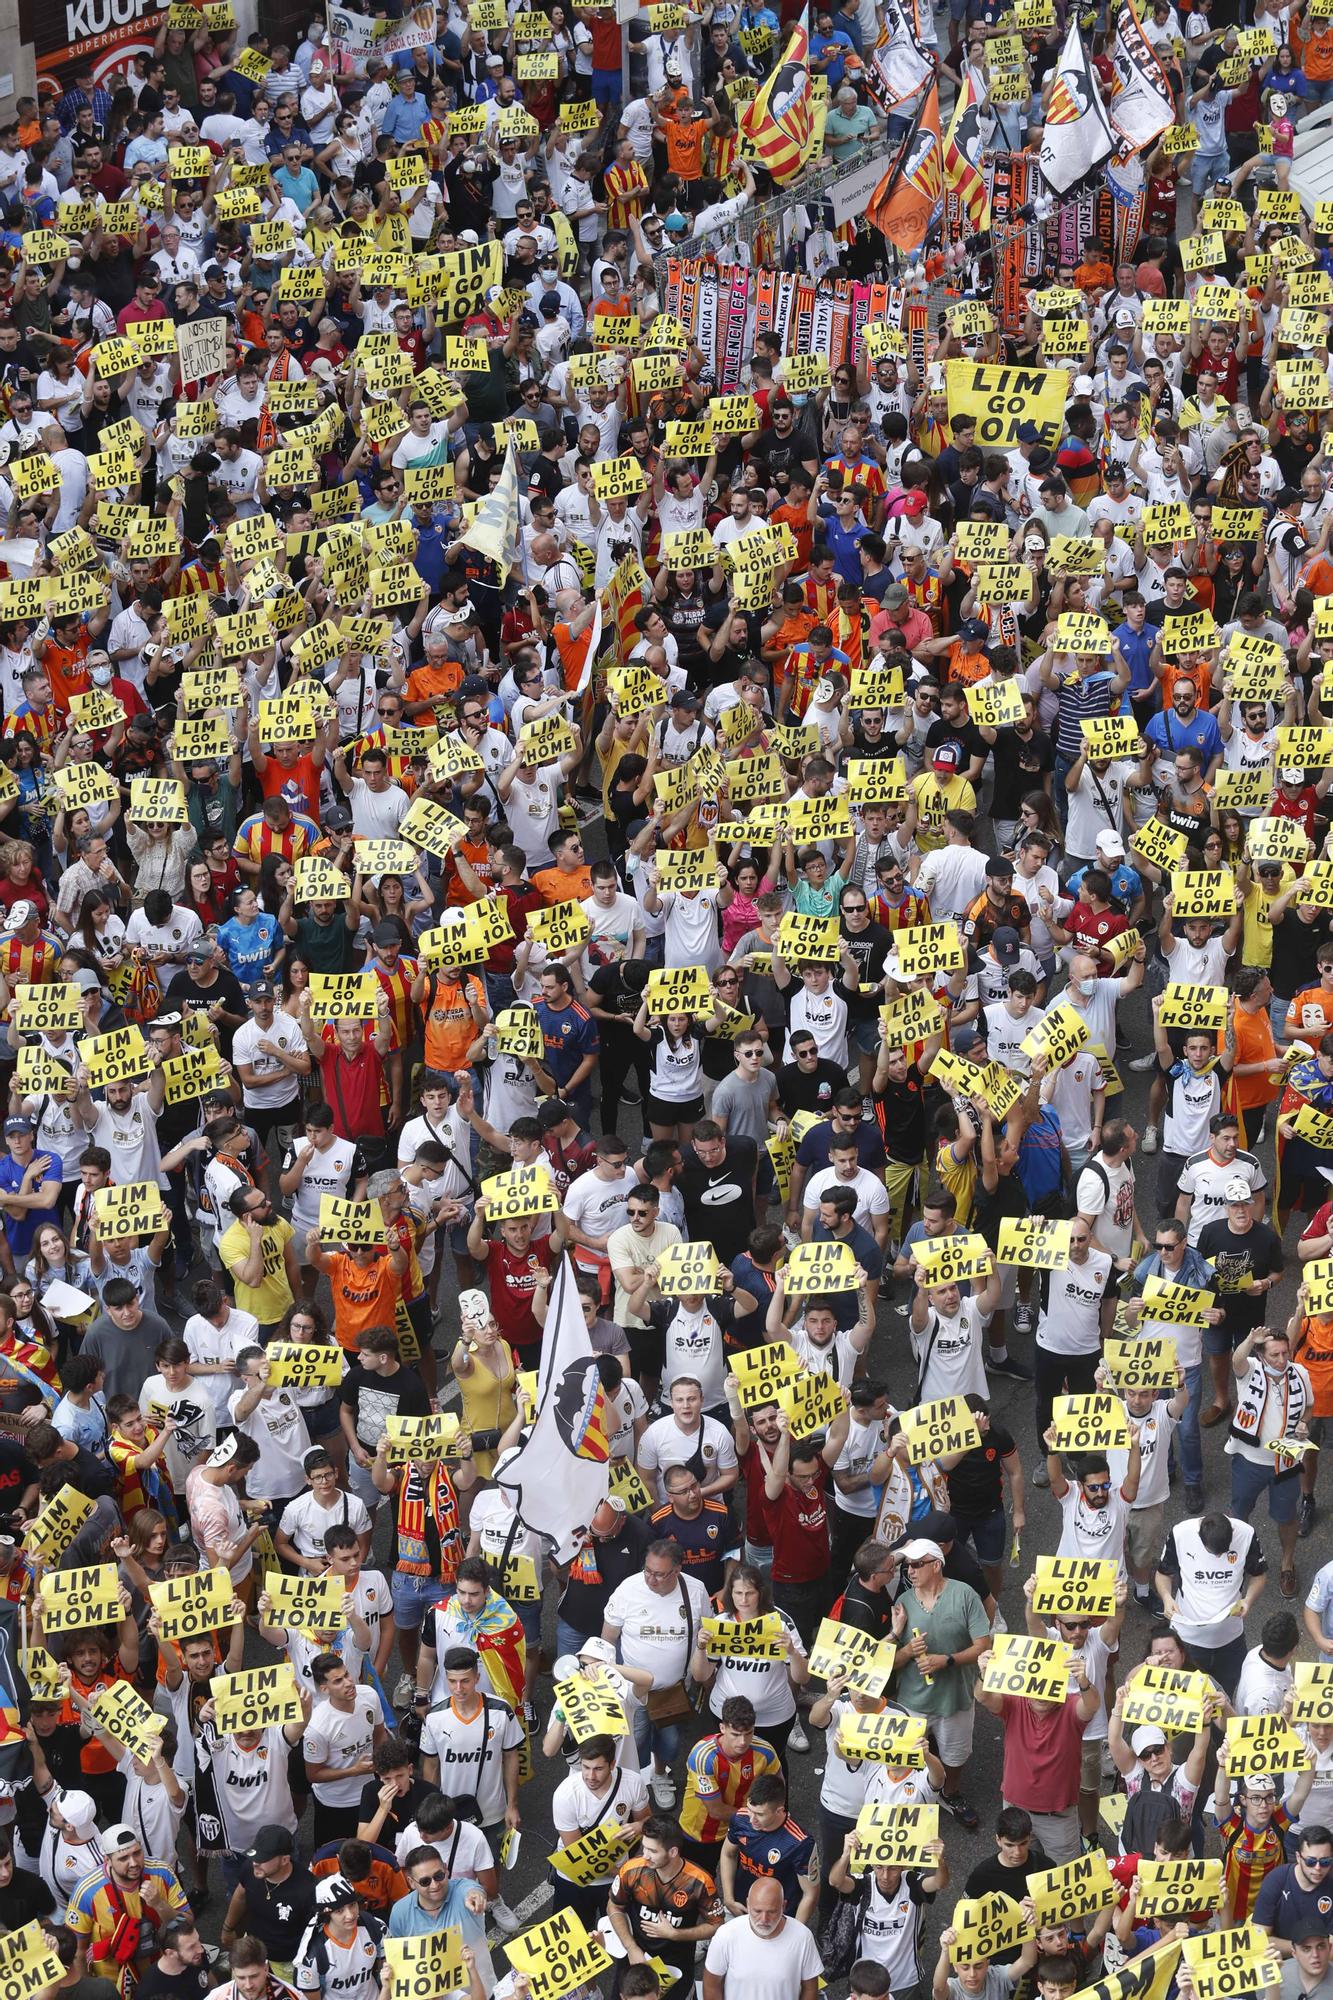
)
(1096, 1513)
(947, 1332)
(1246, 1256)
(890, 1905)
(1069, 1326)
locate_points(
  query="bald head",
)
(765, 1908)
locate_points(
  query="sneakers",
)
(1147, 1599)
(1040, 1476)
(798, 1740)
(1008, 1364)
(961, 1810)
(663, 1788)
(1193, 1499)
(1141, 1063)
(404, 1691)
(1305, 1515)
(1025, 1317)
(1286, 1582)
(1150, 1138)
(505, 1919)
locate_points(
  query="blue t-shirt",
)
(1137, 649)
(569, 1033)
(21, 1230)
(1126, 883)
(1167, 734)
(784, 1852)
(1039, 1166)
(249, 947)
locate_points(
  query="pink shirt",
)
(1043, 1751)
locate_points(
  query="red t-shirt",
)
(1090, 928)
(512, 1281)
(758, 1520)
(1043, 1748)
(352, 1090)
(800, 1533)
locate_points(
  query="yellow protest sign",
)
(29, 1963)
(590, 1708)
(422, 1967)
(595, 1855)
(927, 948)
(865, 1663)
(1059, 1038)
(58, 1521)
(1170, 1890)
(1263, 1743)
(1090, 1423)
(1077, 1888)
(43, 1010)
(819, 1267)
(895, 1837)
(557, 1956)
(305, 1603)
(120, 1712)
(996, 704)
(1188, 1006)
(952, 1260)
(745, 1638)
(258, 1698)
(1018, 1665)
(808, 940)
(304, 1364)
(1074, 1587)
(688, 1270)
(911, 1017)
(358, 1224)
(1160, 844)
(1312, 1691)
(129, 1212)
(762, 1371)
(939, 1429)
(197, 1602)
(1110, 737)
(1141, 1364)
(1031, 1243)
(344, 996)
(421, 1438)
(73, 1599)
(897, 1740)
(1003, 399)
(520, 1193)
(812, 1403)
(985, 1925)
(84, 785)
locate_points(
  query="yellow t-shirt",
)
(959, 1176)
(269, 1300)
(933, 800)
(1257, 937)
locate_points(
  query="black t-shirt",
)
(401, 1814)
(400, 1395)
(991, 1876)
(868, 1611)
(810, 1089)
(1019, 764)
(599, 1568)
(990, 1209)
(1256, 1254)
(17, 1473)
(608, 983)
(26, 1898)
(976, 1482)
(966, 734)
(277, 1913)
(186, 993)
(191, 1983)
(1295, 944)
(719, 1201)
(900, 1113)
(869, 948)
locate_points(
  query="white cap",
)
(117, 1838)
(1125, 317)
(468, 236)
(79, 1810)
(1146, 1739)
(1237, 1190)
(598, 1649)
(1083, 385)
(1034, 542)
(922, 1551)
(1111, 843)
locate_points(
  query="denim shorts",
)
(1249, 1481)
(413, 1597)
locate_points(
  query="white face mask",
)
(1085, 987)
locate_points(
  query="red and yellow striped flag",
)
(962, 156)
(778, 124)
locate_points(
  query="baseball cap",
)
(1083, 385)
(270, 1842)
(1123, 318)
(16, 1125)
(468, 236)
(118, 1837)
(1028, 433)
(893, 597)
(922, 1551)
(974, 628)
(1146, 1739)
(937, 1526)
(964, 1039)
(1000, 868)
(1304, 1929)
(87, 980)
(386, 933)
(683, 698)
(598, 1649)
(263, 989)
(1237, 1190)
(912, 503)
(1006, 944)
(336, 818)
(80, 1809)
(945, 757)
(199, 954)
(548, 305)
(334, 1892)
(1111, 843)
